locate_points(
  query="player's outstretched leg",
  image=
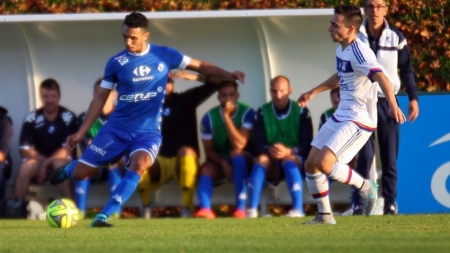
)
(61, 174)
(368, 194)
(100, 221)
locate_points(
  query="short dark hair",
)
(335, 90)
(136, 20)
(50, 84)
(226, 83)
(351, 13)
(280, 77)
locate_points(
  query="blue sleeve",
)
(110, 71)
(205, 125)
(406, 73)
(259, 133)
(174, 58)
(247, 122)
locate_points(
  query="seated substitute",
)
(42, 141)
(283, 133)
(225, 132)
(113, 172)
(179, 152)
(6, 133)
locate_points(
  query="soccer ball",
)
(62, 213)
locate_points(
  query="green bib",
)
(283, 130)
(329, 112)
(222, 144)
(95, 128)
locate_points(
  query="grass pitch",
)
(412, 233)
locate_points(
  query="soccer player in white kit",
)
(340, 138)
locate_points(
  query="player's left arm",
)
(407, 77)
(198, 94)
(180, 61)
(211, 70)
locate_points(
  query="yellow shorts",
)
(167, 167)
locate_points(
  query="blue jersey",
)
(141, 83)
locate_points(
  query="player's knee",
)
(289, 159)
(235, 153)
(57, 163)
(27, 170)
(186, 151)
(82, 172)
(263, 160)
(207, 170)
(309, 165)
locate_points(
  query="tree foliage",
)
(425, 23)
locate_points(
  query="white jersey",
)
(355, 66)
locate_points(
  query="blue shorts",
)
(111, 144)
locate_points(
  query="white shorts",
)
(344, 138)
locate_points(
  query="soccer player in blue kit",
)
(140, 73)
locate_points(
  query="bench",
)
(170, 195)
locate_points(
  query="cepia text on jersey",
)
(137, 97)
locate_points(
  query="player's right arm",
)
(329, 84)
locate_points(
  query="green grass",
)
(414, 233)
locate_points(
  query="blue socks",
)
(122, 192)
(81, 190)
(204, 192)
(294, 184)
(239, 179)
(255, 185)
(114, 178)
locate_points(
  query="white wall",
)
(73, 49)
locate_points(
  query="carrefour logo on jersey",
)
(142, 73)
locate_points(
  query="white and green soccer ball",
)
(62, 213)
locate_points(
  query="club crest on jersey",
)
(160, 67)
(122, 60)
(51, 129)
(166, 112)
